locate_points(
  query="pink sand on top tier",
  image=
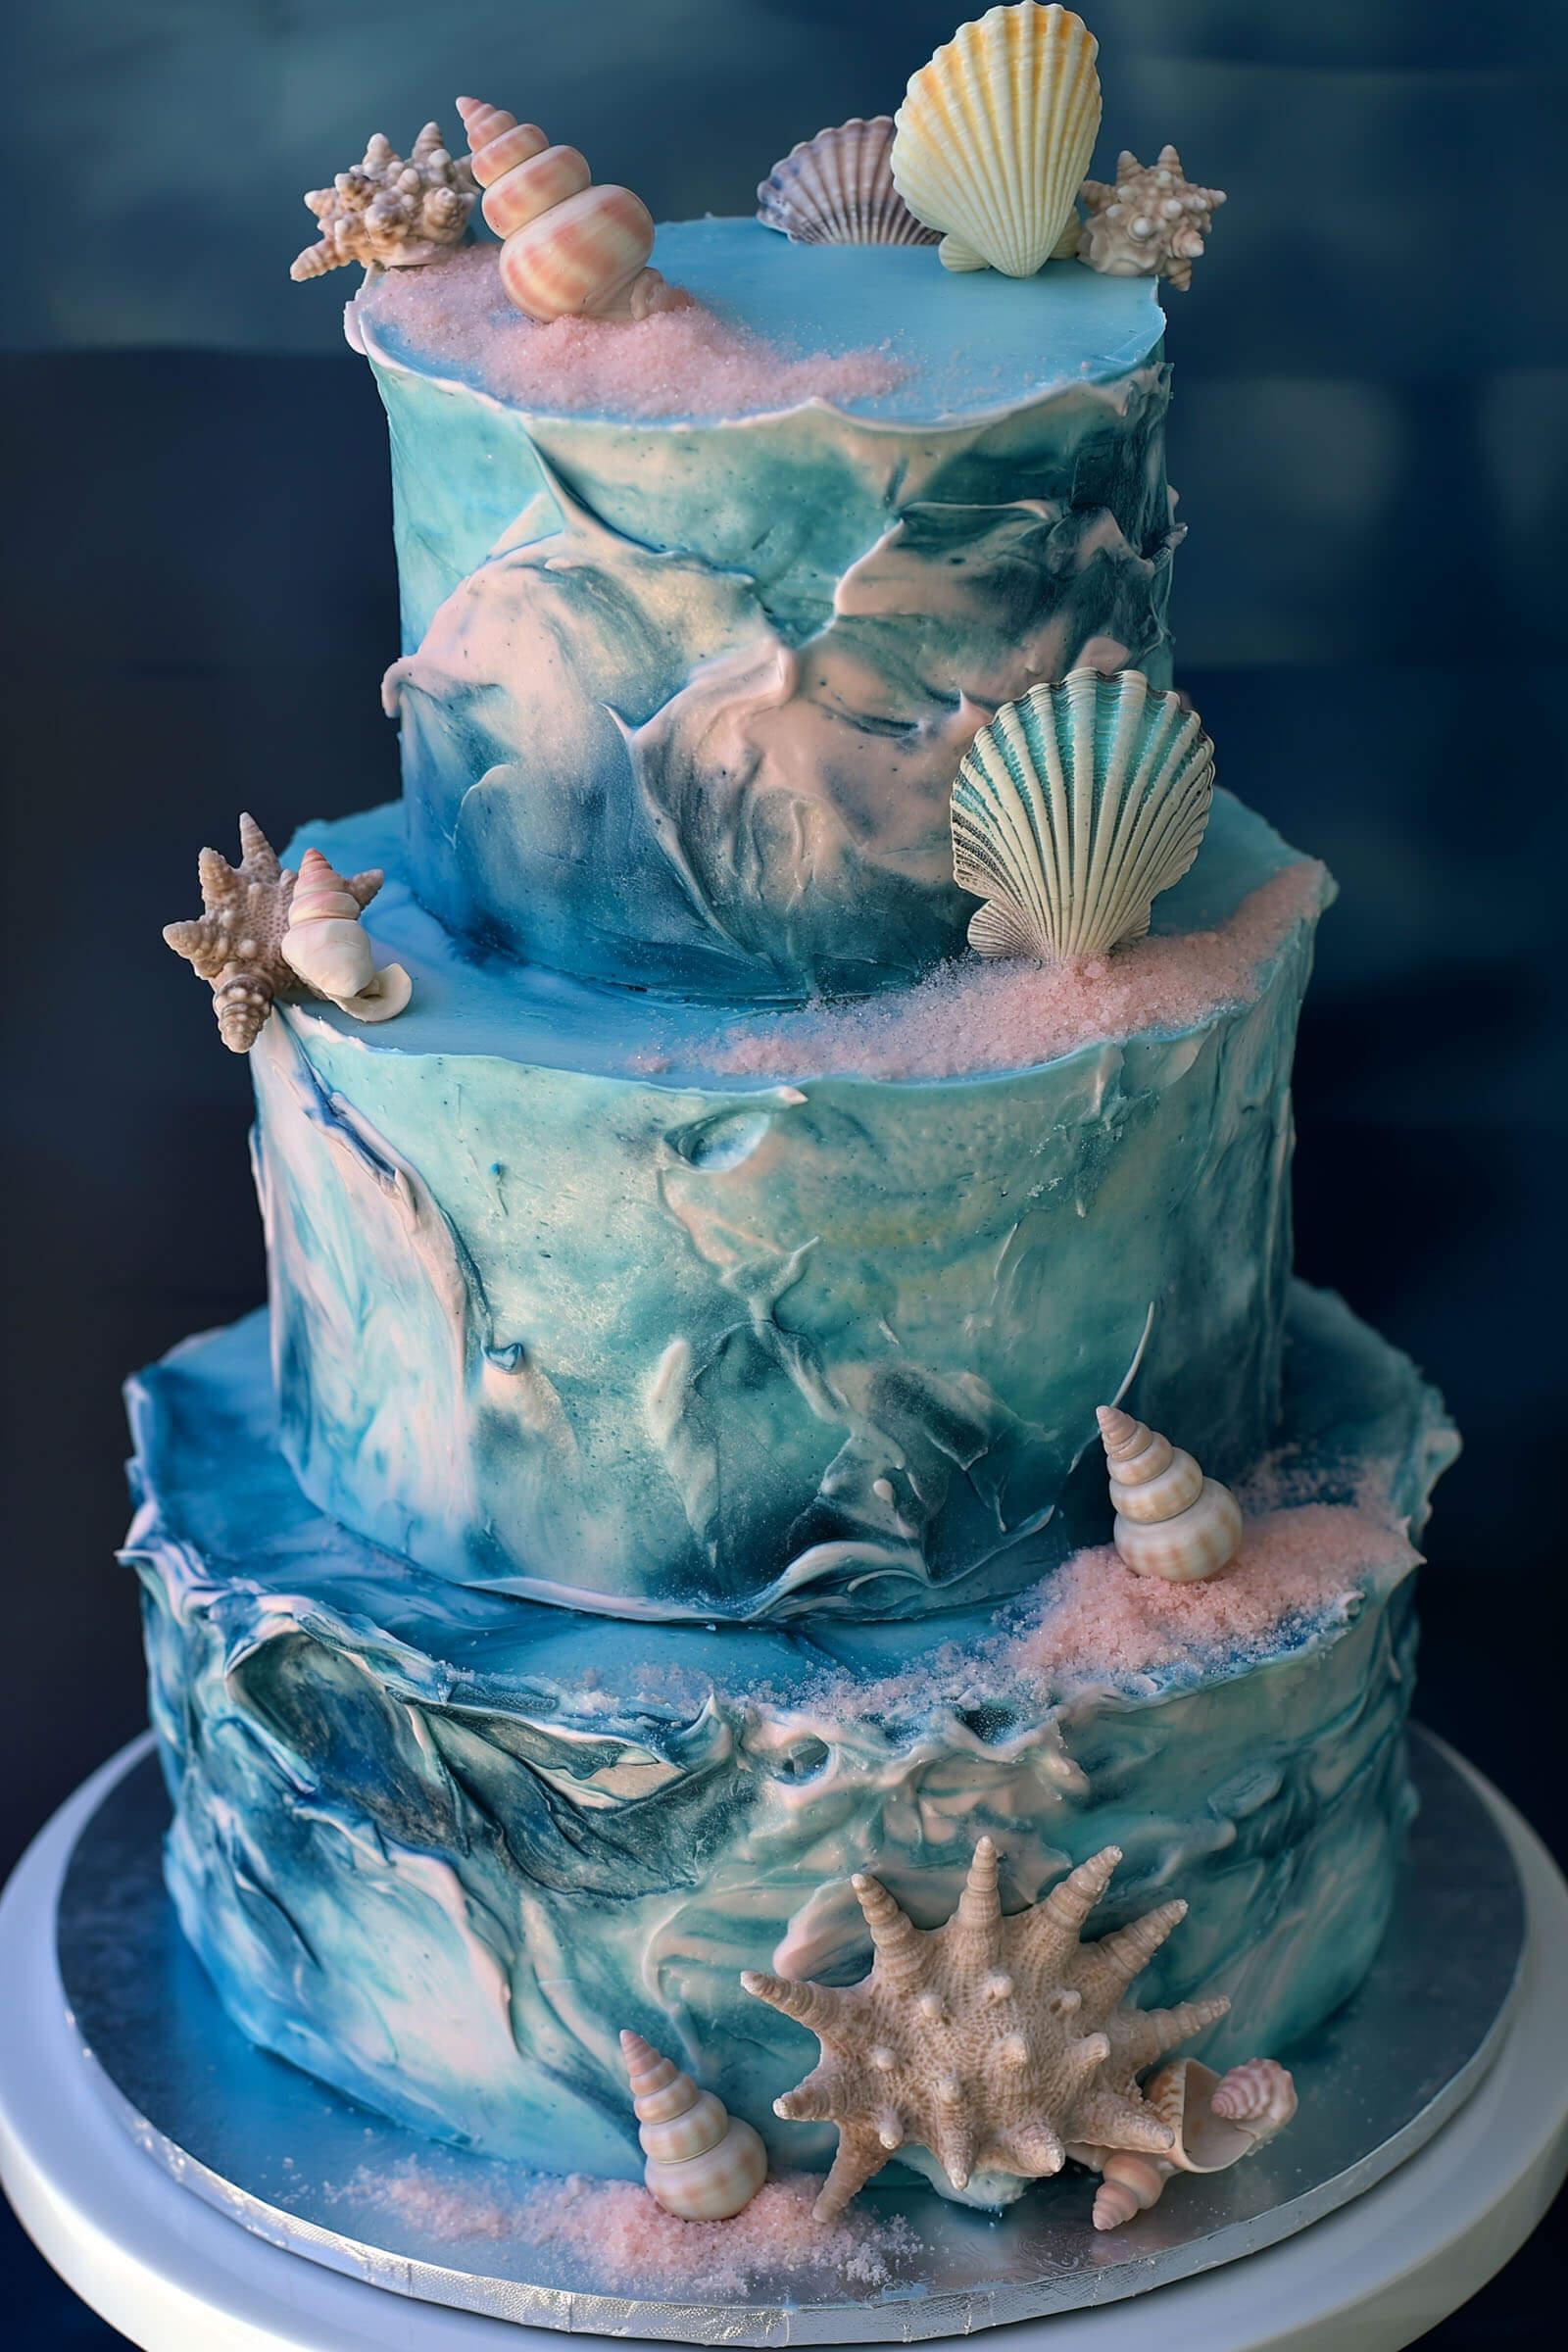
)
(970, 1015)
(455, 316)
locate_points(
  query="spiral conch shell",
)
(1073, 809)
(327, 947)
(995, 135)
(388, 212)
(1213, 2119)
(837, 190)
(569, 248)
(1171, 1521)
(703, 2163)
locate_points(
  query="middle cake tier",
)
(670, 1312)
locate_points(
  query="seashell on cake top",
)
(997, 2045)
(569, 248)
(1151, 221)
(703, 2164)
(995, 135)
(837, 190)
(1073, 810)
(265, 932)
(327, 947)
(1171, 1521)
(388, 213)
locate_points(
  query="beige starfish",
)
(1151, 221)
(991, 2042)
(236, 941)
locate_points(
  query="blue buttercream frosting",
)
(682, 698)
(437, 1846)
(558, 1312)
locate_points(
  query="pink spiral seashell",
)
(569, 249)
(1259, 2094)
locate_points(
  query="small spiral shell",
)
(703, 2164)
(1259, 2096)
(1129, 2184)
(1171, 1521)
(242, 998)
(569, 248)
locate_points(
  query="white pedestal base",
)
(174, 2276)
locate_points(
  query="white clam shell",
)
(837, 190)
(703, 2164)
(995, 135)
(1073, 810)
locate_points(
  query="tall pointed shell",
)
(570, 248)
(837, 190)
(995, 135)
(1073, 810)
(1171, 1521)
(703, 2164)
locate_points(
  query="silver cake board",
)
(304, 2168)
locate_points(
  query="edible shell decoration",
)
(569, 248)
(389, 213)
(1213, 2119)
(995, 135)
(1073, 810)
(703, 2164)
(837, 190)
(1151, 221)
(1171, 1521)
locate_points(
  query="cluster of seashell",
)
(1213, 2119)
(388, 213)
(1151, 221)
(998, 2044)
(569, 248)
(837, 190)
(995, 135)
(265, 932)
(703, 2164)
(1073, 809)
(1171, 1521)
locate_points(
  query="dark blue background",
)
(1371, 440)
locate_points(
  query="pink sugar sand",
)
(684, 362)
(971, 1015)
(631, 2246)
(1297, 1563)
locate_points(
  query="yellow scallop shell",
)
(995, 137)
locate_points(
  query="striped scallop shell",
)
(1073, 810)
(837, 190)
(995, 135)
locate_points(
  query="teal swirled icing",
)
(437, 1846)
(681, 702)
(678, 1345)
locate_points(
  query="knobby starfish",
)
(1151, 221)
(991, 2042)
(236, 943)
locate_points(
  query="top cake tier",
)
(700, 613)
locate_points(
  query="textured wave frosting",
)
(682, 698)
(437, 1846)
(684, 1345)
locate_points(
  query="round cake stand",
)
(173, 2274)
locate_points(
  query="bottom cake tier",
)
(437, 1846)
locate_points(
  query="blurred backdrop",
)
(1370, 437)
